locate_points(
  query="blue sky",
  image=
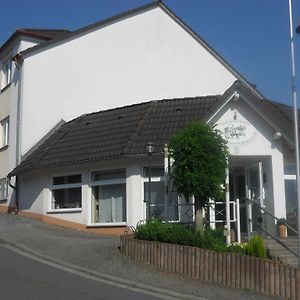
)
(252, 35)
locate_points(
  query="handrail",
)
(270, 214)
(274, 237)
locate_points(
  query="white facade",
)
(251, 144)
(144, 57)
(141, 56)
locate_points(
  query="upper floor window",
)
(6, 73)
(4, 132)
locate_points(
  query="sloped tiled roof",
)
(117, 132)
(278, 115)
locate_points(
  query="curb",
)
(98, 276)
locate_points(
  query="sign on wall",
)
(236, 132)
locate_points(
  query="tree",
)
(199, 156)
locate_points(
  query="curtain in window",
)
(112, 199)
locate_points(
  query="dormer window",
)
(6, 73)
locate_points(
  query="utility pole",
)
(295, 111)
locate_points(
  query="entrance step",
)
(277, 251)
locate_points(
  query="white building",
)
(144, 54)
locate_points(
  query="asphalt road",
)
(24, 278)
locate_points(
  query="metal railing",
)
(264, 210)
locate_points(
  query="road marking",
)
(97, 276)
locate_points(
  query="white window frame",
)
(63, 186)
(6, 74)
(180, 200)
(4, 135)
(5, 195)
(145, 179)
(103, 183)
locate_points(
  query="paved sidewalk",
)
(99, 253)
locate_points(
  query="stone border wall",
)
(264, 276)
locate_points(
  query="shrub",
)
(256, 247)
(238, 248)
(156, 230)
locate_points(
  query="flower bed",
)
(173, 248)
(239, 271)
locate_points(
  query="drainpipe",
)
(18, 59)
(15, 188)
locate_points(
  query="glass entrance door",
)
(254, 192)
(240, 194)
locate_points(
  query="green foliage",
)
(238, 248)
(200, 161)
(155, 230)
(256, 247)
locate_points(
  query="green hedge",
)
(173, 233)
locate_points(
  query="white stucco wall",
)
(35, 190)
(144, 57)
(261, 146)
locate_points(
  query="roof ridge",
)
(151, 101)
(152, 104)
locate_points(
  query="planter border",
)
(264, 276)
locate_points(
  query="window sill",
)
(3, 148)
(64, 210)
(116, 224)
(5, 88)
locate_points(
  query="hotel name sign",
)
(236, 132)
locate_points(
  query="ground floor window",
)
(66, 192)
(157, 195)
(109, 196)
(3, 188)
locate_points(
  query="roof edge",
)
(104, 22)
(210, 49)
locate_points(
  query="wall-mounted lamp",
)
(276, 135)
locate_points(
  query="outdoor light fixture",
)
(276, 135)
(150, 148)
(150, 151)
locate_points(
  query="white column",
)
(227, 196)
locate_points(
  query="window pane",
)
(109, 203)
(67, 179)
(158, 201)
(111, 174)
(4, 131)
(67, 198)
(155, 172)
(290, 197)
(3, 188)
(290, 170)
